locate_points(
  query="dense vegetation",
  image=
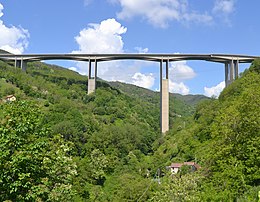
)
(59, 144)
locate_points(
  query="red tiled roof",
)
(189, 163)
(9, 96)
(178, 165)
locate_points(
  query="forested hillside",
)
(224, 139)
(59, 144)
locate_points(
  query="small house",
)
(10, 98)
(175, 167)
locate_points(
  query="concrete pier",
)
(165, 106)
(236, 69)
(231, 71)
(92, 80)
(91, 86)
(226, 74)
(21, 64)
(164, 95)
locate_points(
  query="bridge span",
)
(230, 61)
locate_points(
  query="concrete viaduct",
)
(230, 61)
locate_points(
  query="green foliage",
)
(176, 188)
(224, 139)
(118, 141)
(9, 91)
(70, 146)
(255, 67)
(252, 194)
(127, 187)
(33, 165)
(97, 165)
(235, 135)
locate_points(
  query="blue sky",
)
(132, 26)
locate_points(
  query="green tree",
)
(9, 91)
(176, 188)
(232, 156)
(34, 166)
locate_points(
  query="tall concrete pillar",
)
(91, 86)
(15, 63)
(164, 93)
(165, 106)
(226, 74)
(236, 68)
(89, 69)
(231, 69)
(92, 80)
(24, 66)
(167, 69)
(95, 74)
(21, 64)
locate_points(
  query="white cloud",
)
(215, 90)
(110, 70)
(198, 18)
(180, 71)
(141, 50)
(180, 88)
(101, 38)
(224, 6)
(73, 69)
(223, 9)
(106, 38)
(161, 12)
(1, 8)
(142, 80)
(13, 39)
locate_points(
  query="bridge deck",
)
(221, 58)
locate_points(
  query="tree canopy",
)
(59, 144)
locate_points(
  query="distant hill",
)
(183, 101)
(4, 52)
(192, 100)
